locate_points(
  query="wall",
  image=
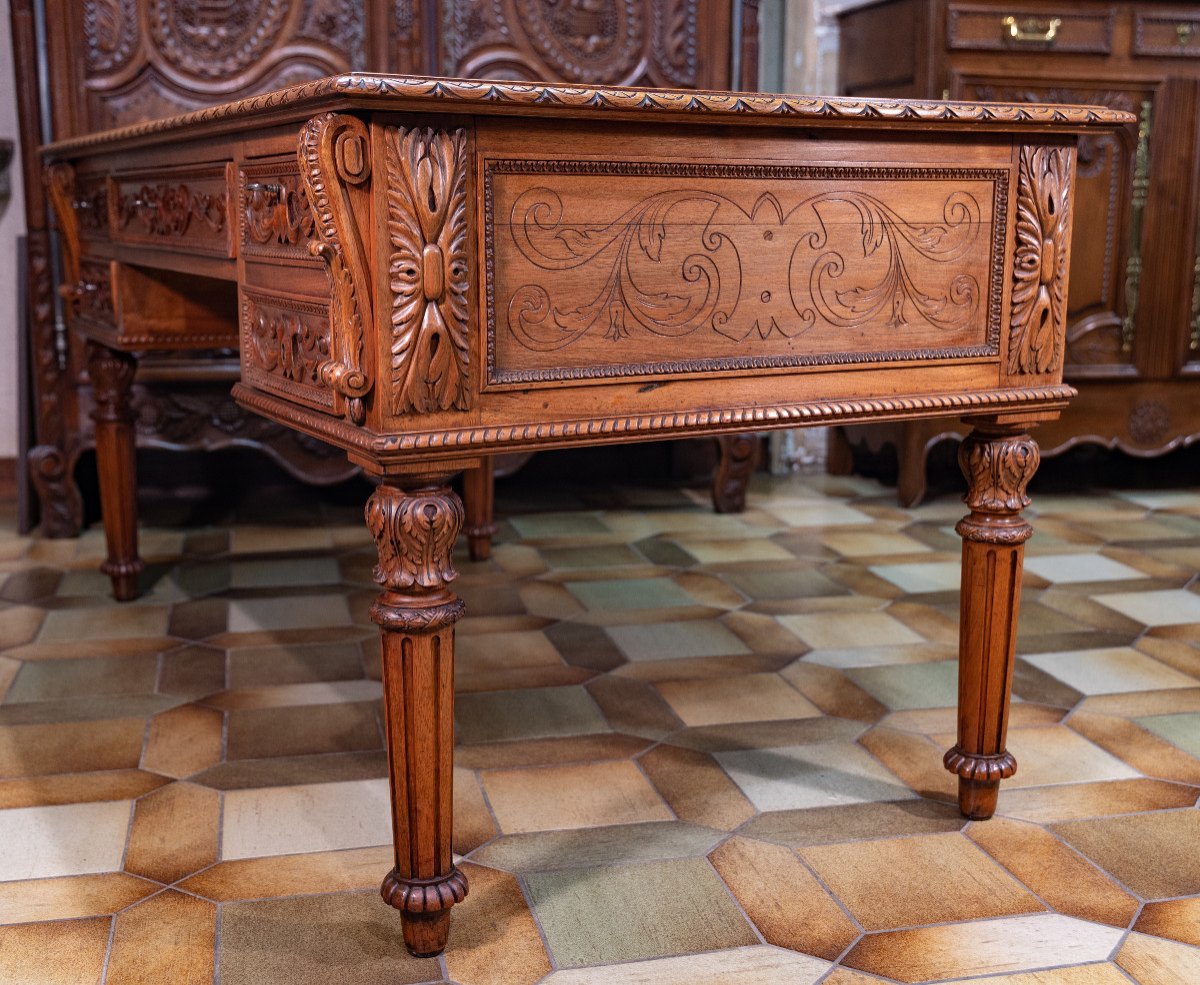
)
(12, 225)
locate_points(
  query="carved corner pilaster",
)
(335, 166)
(1037, 323)
(427, 268)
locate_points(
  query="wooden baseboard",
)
(8, 480)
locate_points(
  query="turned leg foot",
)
(479, 498)
(739, 458)
(998, 463)
(414, 533)
(112, 375)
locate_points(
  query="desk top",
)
(427, 270)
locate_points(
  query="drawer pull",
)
(271, 191)
(1032, 30)
(1183, 34)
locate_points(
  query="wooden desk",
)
(423, 272)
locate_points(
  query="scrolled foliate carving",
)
(110, 33)
(1039, 292)
(997, 469)
(414, 534)
(427, 268)
(335, 166)
(212, 39)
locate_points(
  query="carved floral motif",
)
(1039, 292)
(414, 534)
(169, 209)
(276, 212)
(997, 470)
(335, 166)
(286, 344)
(706, 291)
(427, 229)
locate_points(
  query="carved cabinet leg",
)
(414, 532)
(112, 375)
(739, 458)
(998, 463)
(479, 489)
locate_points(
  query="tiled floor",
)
(693, 750)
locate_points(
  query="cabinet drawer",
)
(1023, 28)
(175, 209)
(91, 206)
(273, 210)
(1165, 35)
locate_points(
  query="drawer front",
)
(972, 28)
(95, 296)
(1166, 36)
(273, 212)
(285, 341)
(185, 209)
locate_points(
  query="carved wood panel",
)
(703, 267)
(285, 342)
(182, 209)
(148, 58)
(1106, 250)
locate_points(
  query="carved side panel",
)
(1039, 291)
(643, 42)
(602, 270)
(427, 267)
(1106, 240)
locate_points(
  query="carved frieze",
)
(1039, 290)
(743, 270)
(427, 268)
(171, 210)
(335, 166)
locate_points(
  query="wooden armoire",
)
(1133, 337)
(86, 65)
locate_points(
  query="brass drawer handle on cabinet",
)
(1031, 30)
(1183, 33)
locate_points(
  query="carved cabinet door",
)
(1112, 182)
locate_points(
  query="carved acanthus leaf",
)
(414, 534)
(335, 166)
(427, 230)
(1039, 292)
(997, 469)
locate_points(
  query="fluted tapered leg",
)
(998, 463)
(414, 531)
(112, 375)
(479, 497)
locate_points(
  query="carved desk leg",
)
(998, 463)
(414, 532)
(739, 457)
(479, 497)
(112, 375)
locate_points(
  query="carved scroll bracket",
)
(335, 164)
(60, 185)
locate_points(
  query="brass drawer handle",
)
(1032, 30)
(271, 191)
(1183, 33)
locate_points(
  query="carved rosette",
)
(998, 468)
(1039, 291)
(427, 230)
(213, 39)
(335, 165)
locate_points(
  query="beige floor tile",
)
(1072, 568)
(1152, 961)
(930, 879)
(676, 640)
(77, 788)
(174, 832)
(983, 947)
(1165, 608)
(744, 698)
(475, 653)
(61, 953)
(1072, 802)
(1139, 747)
(873, 543)
(316, 693)
(936, 576)
(1098, 973)
(104, 622)
(1056, 754)
(495, 937)
(288, 612)
(169, 937)
(783, 899)
(695, 788)
(582, 795)
(64, 840)
(1177, 920)
(734, 551)
(70, 747)
(314, 817)
(1110, 670)
(755, 965)
(70, 897)
(839, 630)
